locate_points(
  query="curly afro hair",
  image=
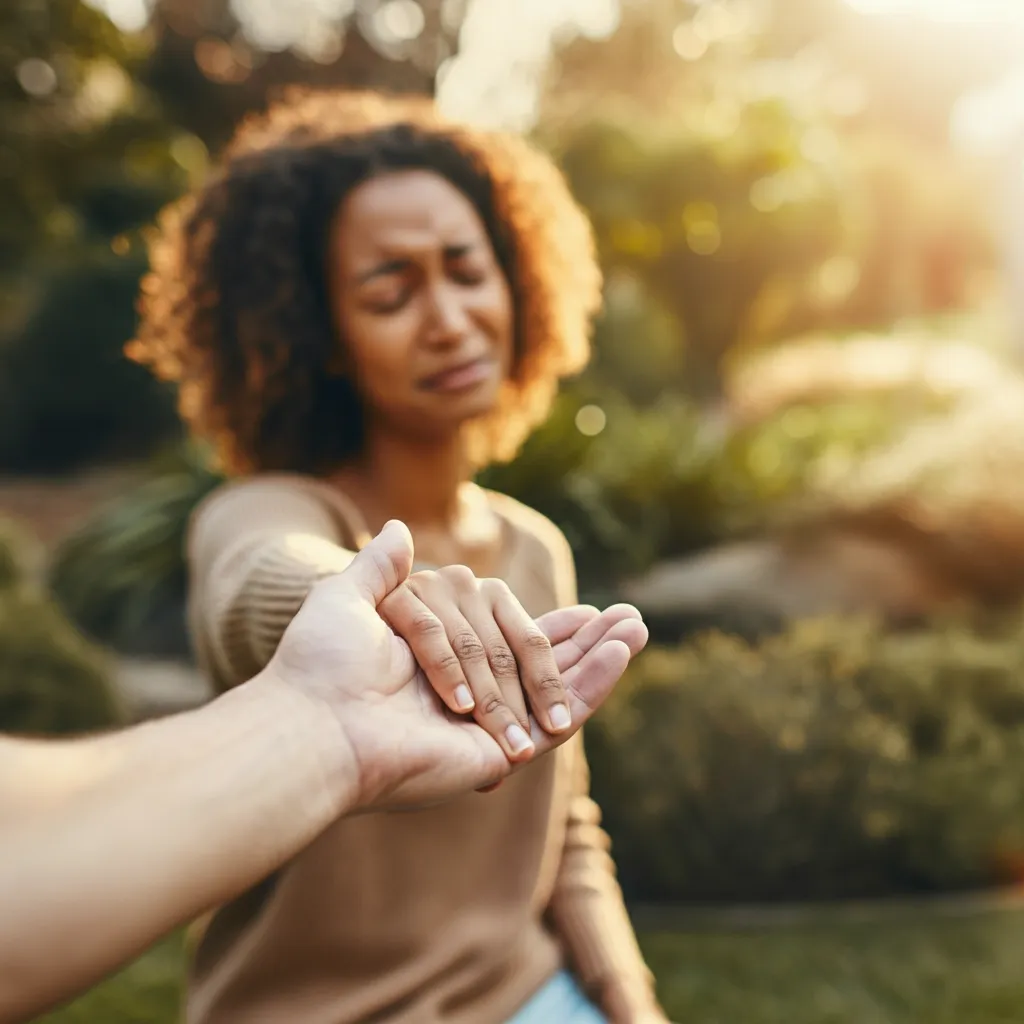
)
(234, 308)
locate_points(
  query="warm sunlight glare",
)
(946, 10)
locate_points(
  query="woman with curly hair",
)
(364, 306)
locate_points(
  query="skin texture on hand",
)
(407, 748)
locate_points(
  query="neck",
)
(415, 481)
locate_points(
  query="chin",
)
(465, 417)
(469, 405)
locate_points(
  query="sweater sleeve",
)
(255, 550)
(587, 910)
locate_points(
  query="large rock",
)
(930, 523)
(756, 586)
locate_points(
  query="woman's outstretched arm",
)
(587, 910)
(256, 549)
(588, 913)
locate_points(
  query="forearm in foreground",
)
(174, 817)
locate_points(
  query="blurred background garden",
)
(799, 447)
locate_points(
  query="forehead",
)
(404, 211)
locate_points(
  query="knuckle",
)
(536, 642)
(396, 605)
(428, 625)
(460, 577)
(495, 587)
(446, 662)
(417, 583)
(503, 661)
(492, 703)
(549, 685)
(467, 647)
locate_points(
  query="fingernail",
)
(463, 698)
(517, 739)
(560, 717)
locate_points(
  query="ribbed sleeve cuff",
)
(277, 578)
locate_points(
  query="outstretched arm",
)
(255, 551)
(146, 829)
(588, 913)
(169, 818)
(587, 910)
(257, 548)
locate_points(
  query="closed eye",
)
(386, 287)
(465, 263)
(386, 269)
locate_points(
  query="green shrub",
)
(122, 575)
(664, 480)
(20, 556)
(68, 395)
(52, 681)
(830, 761)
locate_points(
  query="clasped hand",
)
(485, 656)
(441, 682)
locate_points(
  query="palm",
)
(412, 751)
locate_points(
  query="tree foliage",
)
(211, 64)
(750, 189)
(98, 130)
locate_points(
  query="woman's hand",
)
(482, 653)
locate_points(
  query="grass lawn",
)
(931, 970)
(937, 971)
(147, 992)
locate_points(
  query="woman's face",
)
(421, 303)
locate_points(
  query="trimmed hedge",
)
(832, 761)
(52, 680)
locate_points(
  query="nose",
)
(449, 320)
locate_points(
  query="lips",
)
(460, 377)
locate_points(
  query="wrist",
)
(311, 741)
(627, 1003)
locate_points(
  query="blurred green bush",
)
(665, 479)
(52, 680)
(20, 557)
(835, 760)
(68, 396)
(121, 575)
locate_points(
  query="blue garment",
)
(560, 1001)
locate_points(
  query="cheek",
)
(498, 314)
(377, 348)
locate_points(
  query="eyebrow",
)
(396, 266)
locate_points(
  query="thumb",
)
(383, 565)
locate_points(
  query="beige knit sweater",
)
(455, 914)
